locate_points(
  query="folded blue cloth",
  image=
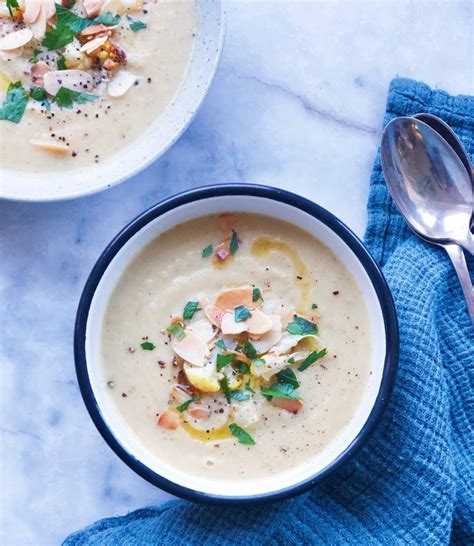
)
(413, 482)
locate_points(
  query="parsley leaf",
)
(185, 405)
(234, 243)
(108, 19)
(223, 360)
(258, 362)
(137, 25)
(34, 57)
(225, 389)
(65, 98)
(15, 102)
(241, 313)
(288, 377)
(240, 396)
(189, 309)
(37, 93)
(242, 367)
(256, 294)
(61, 63)
(242, 436)
(12, 4)
(248, 387)
(311, 358)
(301, 327)
(291, 360)
(207, 251)
(249, 350)
(58, 37)
(176, 330)
(221, 344)
(314, 306)
(280, 390)
(147, 346)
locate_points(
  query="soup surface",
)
(236, 347)
(71, 99)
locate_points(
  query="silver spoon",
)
(432, 189)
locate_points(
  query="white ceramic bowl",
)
(160, 135)
(210, 200)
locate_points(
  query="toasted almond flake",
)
(95, 29)
(92, 7)
(16, 39)
(270, 338)
(179, 394)
(233, 297)
(288, 341)
(122, 82)
(198, 412)
(230, 326)
(214, 314)
(288, 404)
(50, 146)
(168, 419)
(38, 71)
(226, 221)
(259, 323)
(76, 80)
(32, 9)
(204, 329)
(49, 8)
(38, 27)
(90, 47)
(192, 348)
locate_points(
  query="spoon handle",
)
(459, 262)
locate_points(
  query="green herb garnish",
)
(223, 360)
(248, 387)
(258, 362)
(291, 360)
(34, 57)
(256, 294)
(288, 377)
(301, 327)
(314, 306)
(65, 98)
(249, 350)
(189, 309)
(240, 396)
(185, 405)
(58, 37)
(207, 251)
(137, 25)
(12, 4)
(241, 313)
(221, 344)
(234, 243)
(14, 104)
(242, 436)
(147, 346)
(37, 93)
(61, 63)
(176, 330)
(225, 389)
(108, 19)
(242, 367)
(311, 358)
(280, 390)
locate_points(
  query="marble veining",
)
(297, 103)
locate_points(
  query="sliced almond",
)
(92, 7)
(288, 404)
(179, 394)
(198, 412)
(50, 146)
(259, 323)
(233, 297)
(271, 338)
(204, 328)
(49, 8)
(38, 72)
(192, 348)
(214, 314)
(32, 9)
(16, 39)
(90, 47)
(95, 29)
(122, 82)
(38, 27)
(168, 419)
(76, 80)
(230, 326)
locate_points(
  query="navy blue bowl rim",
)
(378, 281)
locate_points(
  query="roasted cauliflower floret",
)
(74, 58)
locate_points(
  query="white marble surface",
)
(297, 102)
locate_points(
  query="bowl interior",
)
(109, 413)
(159, 136)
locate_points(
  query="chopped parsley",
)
(288, 377)
(38, 93)
(65, 98)
(280, 390)
(240, 396)
(314, 306)
(256, 294)
(61, 63)
(311, 358)
(58, 37)
(242, 436)
(234, 242)
(135, 26)
(225, 389)
(14, 104)
(12, 4)
(241, 313)
(223, 360)
(291, 360)
(249, 350)
(258, 362)
(242, 367)
(189, 309)
(176, 330)
(185, 405)
(34, 57)
(147, 346)
(206, 252)
(221, 344)
(301, 327)
(248, 387)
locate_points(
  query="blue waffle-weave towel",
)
(413, 482)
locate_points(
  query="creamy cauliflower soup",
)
(80, 79)
(236, 347)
